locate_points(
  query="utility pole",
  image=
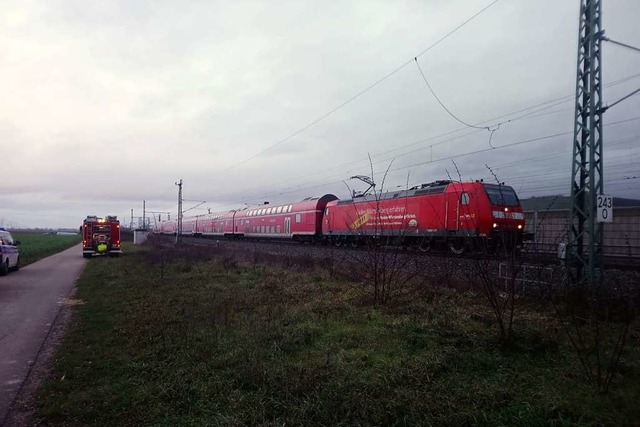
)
(179, 228)
(131, 226)
(585, 234)
(144, 214)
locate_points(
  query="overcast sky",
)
(109, 103)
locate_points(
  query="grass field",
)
(203, 340)
(35, 246)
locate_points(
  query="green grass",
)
(35, 246)
(205, 342)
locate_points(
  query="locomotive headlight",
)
(506, 209)
(495, 225)
(519, 226)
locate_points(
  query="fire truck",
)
(100, 236)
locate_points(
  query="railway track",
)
(317, 250)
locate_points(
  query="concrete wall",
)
(621, 237)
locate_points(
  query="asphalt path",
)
(30, 300)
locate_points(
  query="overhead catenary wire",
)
(303, 187)
(328, 183)
(513, 144)
(530, 114)
(456, 156)
(444, 106)
(358, 94)
(543, 106)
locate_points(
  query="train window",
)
(501, 195)
(271, 229)
(298, 217)
(290, 207)
(279, 209)
(278, 229)
(270, 211)
(464, 198)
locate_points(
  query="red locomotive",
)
(441, 213)
(438, 213)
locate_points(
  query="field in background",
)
(35, 246)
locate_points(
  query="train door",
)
(452, 208)
(287, 226)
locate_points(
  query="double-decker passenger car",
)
(298, 221)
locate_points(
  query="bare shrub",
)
(160, 254)
(229, 261)
(597, 318)
(382, 267)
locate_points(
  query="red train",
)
(442, 213)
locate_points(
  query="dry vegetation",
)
(212, 336)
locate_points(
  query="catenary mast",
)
(585, 234)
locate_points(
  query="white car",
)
(8, 252)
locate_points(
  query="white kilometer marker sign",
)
(604, 208)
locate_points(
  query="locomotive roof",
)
(436, 187)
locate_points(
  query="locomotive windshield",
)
(501, 195)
